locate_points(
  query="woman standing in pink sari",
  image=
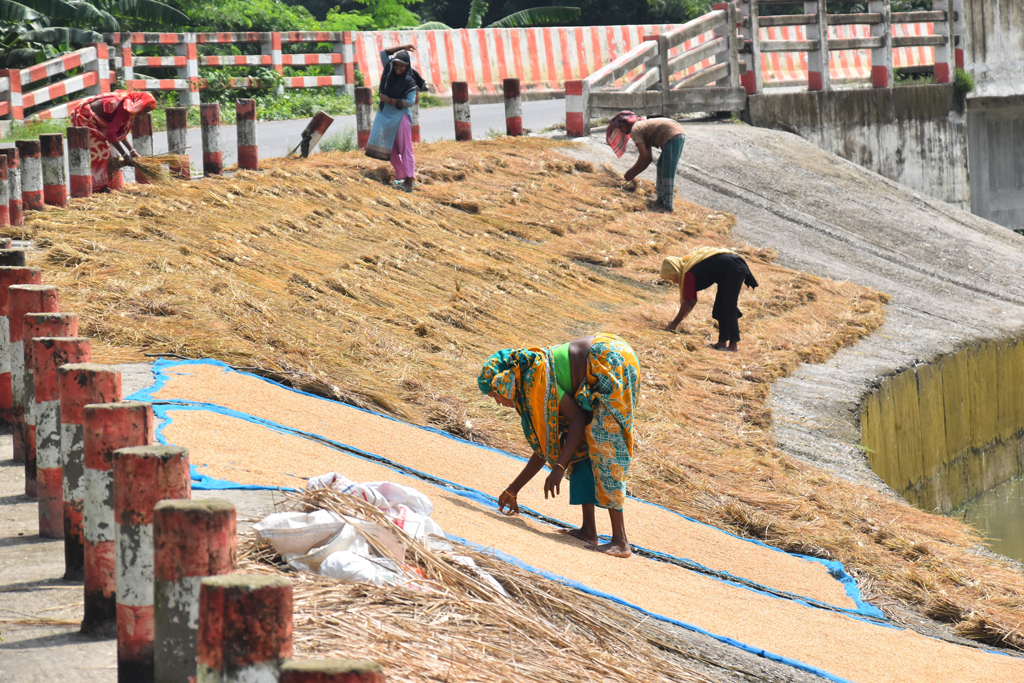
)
(109, 120)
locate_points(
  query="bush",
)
(345, 141)
(963, 81)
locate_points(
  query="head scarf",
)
(615, 138)
(395, 86)
(674, 268)
(138, 102)
(119, 109)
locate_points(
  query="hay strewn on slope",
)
(317, 273)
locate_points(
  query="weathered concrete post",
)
(364, 116)
(80, 385)
(751, 80)
(12, 257)
(881, 57)
(245, 628)
(39, 325)
(818, 75)
(24, 299)
(944, 57)
(79, 165)
(314, 130)
(14, 187)
(31, 175)
(577, 123)
(55, 187)
(192, 539)
(416, 137)
(213, 155)
(248, 149)
(331, 671)
(48, 355)
(460, 107)
(143, 476)
(177, 139)
(5, 206)
(10, 276)
(142, 140)
(513, 107)
(348, 65)
(108, 427)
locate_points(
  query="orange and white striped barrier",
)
(10, 276)
(576, 119)
(24, 299)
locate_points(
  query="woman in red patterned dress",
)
(109, 120)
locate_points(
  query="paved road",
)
(277, 138)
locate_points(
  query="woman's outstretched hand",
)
(506, 499)
(553, 483)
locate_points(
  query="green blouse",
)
(563, 371)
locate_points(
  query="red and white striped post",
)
(24, 299)
(14, 202)
(13, 94)
(10, 276)
(331, 671)
(577, 122)
(107, 428)
(48, 354)
(177, 138)
(14, 258)
(513, 107)
(80, 385)
(881, 57)
(31, 175)
(416, 119)
(348, 62)
(142, 140)
(55, 189)
(39, 325)
(248, 149)
(143, 476)
(5, 207)
(364, 116)
(460, 105)
(213, 155)
(192, 539)
(79, 165)
(315, 130)
(245, 628)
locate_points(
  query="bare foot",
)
(588, 538)
(614, 549)
(722, 347)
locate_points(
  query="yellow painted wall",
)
(945, 432)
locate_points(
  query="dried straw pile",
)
(457, 627)
(317, 273)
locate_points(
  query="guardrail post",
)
(881, 57)
(14, 202)
(48, 354)
(416, 119)
(959, 32)
(347, 68)
(177, 139)
(752, 80)
(39, 325)
(944, 58)
(31, 174)
(142, 140)
(272, 47)
(192, 539)
(245, 628)
(313, 131)
(10, 276)
(248, 148)
(79, 165)
(143, 476)
(123, 62)
(819, 76)
(13, 94)
(513, 107)
(731, 56)
(107, 427)
(5, 205)
(22, 300)
(190, 72)
(460, 107)
(331, 671)
(213, 155)
(55, 189)
(577, 120)
(364, 116)
(101, 66)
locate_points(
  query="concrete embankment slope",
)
(953, 277)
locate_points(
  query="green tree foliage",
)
(532, 16)
(245, 15)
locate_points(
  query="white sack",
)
(347, 566)
(297, 532)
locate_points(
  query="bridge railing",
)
(90, 73)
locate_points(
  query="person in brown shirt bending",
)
(665, 134)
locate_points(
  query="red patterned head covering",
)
(615, 138)
(139, 102)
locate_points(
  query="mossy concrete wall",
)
(994, 46)
(996, 133)
(915, 135)
(944, 432)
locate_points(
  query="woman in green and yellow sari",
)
(576, 403)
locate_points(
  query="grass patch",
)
(345, 141)
(33, 129)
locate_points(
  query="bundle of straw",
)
(151, 167)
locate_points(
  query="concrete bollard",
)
(315, 130)
(331, 671)
(460, 105)
(192, 539)
(39, 325)
(48, 354)
(31, 175)
(80, 385)
(107, 427)
(416, 137)
(24, 299)
(576, 123)
(79, 166)
(12, 257)
(177, 138)
(14, 203)
(513, 107)
(10, 276)
(248, 149)
(364, 116)
(55, 188)
(5, 206)
(143, 476)
(213, 155)
(245, 628)
(142, 140)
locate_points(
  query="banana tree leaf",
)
(433, 26)
(477, 10)
(537, 16)
(55, 35)
(17, 12)
(22, 56)
(82, 12)
(47, 8)
(150, 10)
